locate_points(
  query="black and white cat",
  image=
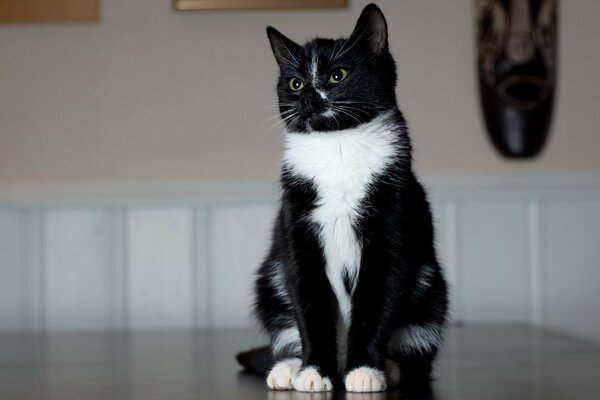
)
(351, 290)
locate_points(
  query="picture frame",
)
(24, 11)
(184, 5)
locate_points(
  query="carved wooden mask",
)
(517, 72)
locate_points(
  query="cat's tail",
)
(258, 360)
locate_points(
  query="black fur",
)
(400, 283)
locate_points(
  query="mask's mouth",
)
(524, 92)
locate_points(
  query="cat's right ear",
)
(371, 28)
(285, 50)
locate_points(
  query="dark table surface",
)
(477, 362)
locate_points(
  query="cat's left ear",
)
(284, 49)
(371, 28)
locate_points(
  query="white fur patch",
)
(342, 165)
(322, 94)
(278, 282)
(287, 339)
(314, 67)
(329, 114)
(309, 380)
(426, 273)
(282, 375)
(365, 379)
(416, 338)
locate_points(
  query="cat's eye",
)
(338, 75)
(295, 84)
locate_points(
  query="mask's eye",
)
(338, 75)
(295, 84)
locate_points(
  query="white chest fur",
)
(342, 165)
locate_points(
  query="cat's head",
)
(329, 85)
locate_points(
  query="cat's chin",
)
(324, 123)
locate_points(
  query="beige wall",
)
(150, 94)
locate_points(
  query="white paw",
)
(282, 375)
(365, 379)
(392, 373)
(309, 380)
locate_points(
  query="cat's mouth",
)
(321, 121)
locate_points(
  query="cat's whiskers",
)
(278, 115)
(361, 104)
(348, 113)
(278, 103)
(337, 122)
(331, 114)
(367, 103)
(373, 108)
(355, 109)
(283, 104)
(282, 121)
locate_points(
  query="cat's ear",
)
(371, 29)
(284, 49)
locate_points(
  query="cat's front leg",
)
(372, 315)
(316, 314)
(317, 330)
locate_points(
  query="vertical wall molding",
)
(117, 243)
(208, 243)
(201, 271)
(535, 261)
(36, 264)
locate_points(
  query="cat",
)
(350, 293)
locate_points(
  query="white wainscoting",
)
(515, 250)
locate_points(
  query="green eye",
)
(338, 75)
(295, 84)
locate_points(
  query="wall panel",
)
(76, 280)
(160, 267)
(239, 241)
(512, 253)
(493, 261)
(12, 277)
(571, 255)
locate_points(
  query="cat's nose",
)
(312, 103)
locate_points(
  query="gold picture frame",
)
(184, 5)
(18, 11)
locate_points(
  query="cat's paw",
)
(309, 380)
(365, 379)
(282, 375)
(392, 373)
